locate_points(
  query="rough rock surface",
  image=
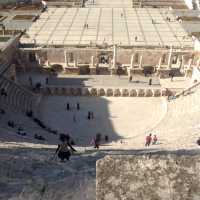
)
(149, 177)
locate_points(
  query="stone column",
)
(75, 63)
(159, 63)
(183, 62)
(187, 71)
(92, 62)
(170, 58)
(189, 63)
(178, 63)
(140, 64)
(198, 63)
(114, 56)
(66, 60)
(132, 61)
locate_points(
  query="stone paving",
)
(109, 4)
(104, 81)
(122, 26)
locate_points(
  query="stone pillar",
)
(179, 62)
(66, 59)
(92, 62)
(132, 61)
(170, 58)
(190, 63)
(75, 63)
(159, 63)
(140, 64)
(114, 56)
(198, 63)
(187, 71)
(183, 62)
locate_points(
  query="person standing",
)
(68, 106)
(78, 106)
(89, 115)
(155, 139)
(47, 80)
(148, 140)
(63, 149)
(150, 81)
(30, 81)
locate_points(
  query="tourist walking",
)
(148, 140)
(198, 141)
(30, 81)
(150, 81)
(89, 115)
(78, 106)
(97, 141)
(47, 80)
(155, 139)
(106, 138)
(64, 148)
(68, 106)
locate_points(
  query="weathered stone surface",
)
(93, 92)
(117, 92)
(149, 177)
(109, 92)
(101, 92)
(149, 93)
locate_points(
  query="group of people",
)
(90, 115)
(68, 107)
(151, 140)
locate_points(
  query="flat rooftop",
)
(65, 26)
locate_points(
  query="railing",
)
(187, 90)
(17, 97)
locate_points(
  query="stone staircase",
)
(17, 97)
(175, 4)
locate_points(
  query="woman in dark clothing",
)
(64, 149)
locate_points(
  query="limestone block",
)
(63, 91)
(157, 93)
(117, 92)
(93, 92)
(56, 91)
(68, 91)
(163, 92)
(109, 92)
(48, 90)
(101, 92)
(77, 92)
(141, 93)
(85, 92)
(159, 176)
(125, 92)
(149, 93)
(133, 93)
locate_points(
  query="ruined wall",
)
(149, 177)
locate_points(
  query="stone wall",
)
(149, 177)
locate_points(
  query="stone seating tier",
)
(115, 92)
(17, 97)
